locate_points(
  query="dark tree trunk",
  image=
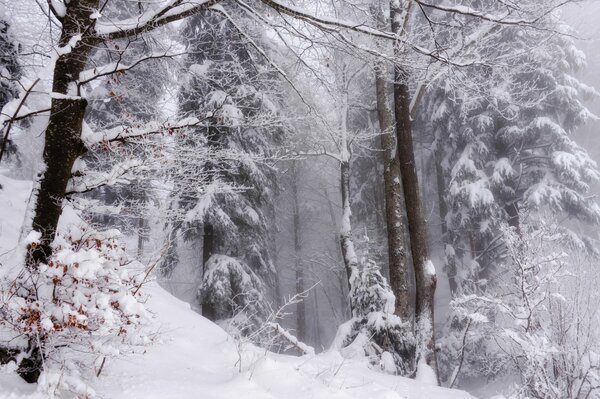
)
(141, 236)
(208, 309)
(317, 323)
(300, 288)
(425, 278)
(63, 145)
(512, 210)
(394, 201)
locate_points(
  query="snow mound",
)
(197, 359)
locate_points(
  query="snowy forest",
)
(295, 199)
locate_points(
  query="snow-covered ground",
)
(197, 359)
(194, 358)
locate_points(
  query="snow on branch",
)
(116, 67)
(124, 133)
(309, 350)
(506, 19)
(115, 175)
(337, 26)
(151, 19)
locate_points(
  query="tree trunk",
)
(141, 237)
(317, 322)
(300, 306)
(63, 143)
(348, 253)
(208, 309)
(512, 210)
(443, 209)
(394, 204)
(425, 277)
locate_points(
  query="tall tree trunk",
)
(343, 282)
(348, 253)
(63, 143)
(512, 210)
(141, 236)
(300, 306)
(394, 201)
(443, 210)
(317, 324)
(425, 277)
(208, 308)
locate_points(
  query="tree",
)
(9, 74)
(510, 149)
(425, 277)
(235, 85)
(374, 329)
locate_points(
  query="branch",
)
(175, 11)
(308, 350)
(122, 133)
(504, 20)
(280, 71)
(105, 179)
(115, 67)
(326, 22)
(11, 121)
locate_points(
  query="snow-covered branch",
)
(151, 19)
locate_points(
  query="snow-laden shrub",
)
(233, 293)
(536, 322)
(72, 313)
(374, 330)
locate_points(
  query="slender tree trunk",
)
(443, 209)
(425, 277)
(277, 277)
(394, 200)
(348, 253)
(301, 305)
(343, 282)
(317, 324)
(512, 210)
(141, 237)
(208, 308)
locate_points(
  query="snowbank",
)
(197, 359)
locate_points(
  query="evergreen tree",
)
(508, 152)
(232, 86)
(10, 72)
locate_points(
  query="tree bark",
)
(425, 278)
(348, 254)
(443, 210)
(300, 306)
(208, 309)
(63, 143)
(394, 201)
